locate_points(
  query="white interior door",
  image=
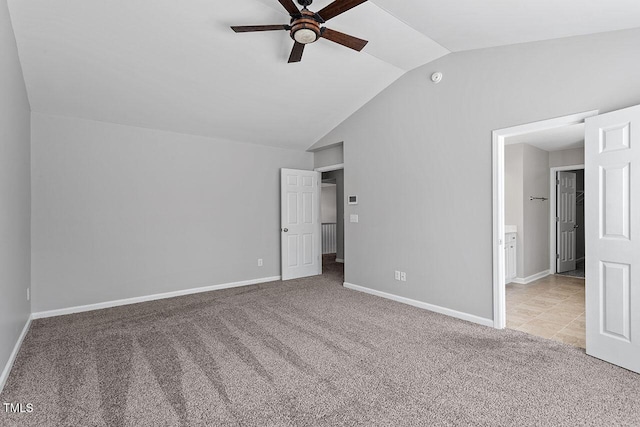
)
(612, 219)
(566, 223)
(300, 223)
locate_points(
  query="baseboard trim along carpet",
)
(431, 307)
(14, 354)
(145, 298)
(532, 278)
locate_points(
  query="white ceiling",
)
(474, 24)
(562, 138)
(176, 65)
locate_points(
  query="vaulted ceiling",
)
(176, 65)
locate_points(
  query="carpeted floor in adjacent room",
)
(304, 352)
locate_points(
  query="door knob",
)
(285, 229)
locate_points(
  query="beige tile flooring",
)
(552, 307)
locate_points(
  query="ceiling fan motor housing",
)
(305, 29)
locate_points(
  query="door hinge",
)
(557, 218)
(557, 256)
(557, 182)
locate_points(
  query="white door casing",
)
(566, 221)
(300, 226)
(499, 137)
(612, 231)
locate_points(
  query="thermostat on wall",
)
(353, 200)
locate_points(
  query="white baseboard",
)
(340, 260)
(145, 298)
(532, 278)
(14, 354)
(424, 305)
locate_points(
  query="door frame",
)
(553, 206)
(498, 142)
(331, 168)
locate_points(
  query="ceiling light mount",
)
(305, 29)
(436, 77)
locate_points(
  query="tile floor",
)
(551, 307)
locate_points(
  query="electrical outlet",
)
(403, 276)
(28, 294)
(259, 262)
(397, 275)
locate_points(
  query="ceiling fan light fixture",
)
(305, 26)
(305, 36)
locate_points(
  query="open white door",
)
(612, 219)
(566, 221)
(300, 227)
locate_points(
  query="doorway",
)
(535, 196)
(541, 182)
(567, 215)
(332, 218)
(611, 147)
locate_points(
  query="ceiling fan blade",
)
(337, 7)
(290, 6)
(343, 39)
(296, 52)
(252, 28)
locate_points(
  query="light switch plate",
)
(353, 218)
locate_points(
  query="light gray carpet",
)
(305, 352)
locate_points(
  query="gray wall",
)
(328, 205)
(536, 212)
(120, 212)
(419, 157)
(571, 157)
(514, 197)
(329, 156)
(15, 193)
(527, 174)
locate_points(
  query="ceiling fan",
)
(305, 26)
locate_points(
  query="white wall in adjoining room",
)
(514, 196)
(338, 176)
(419, 158)
(121, 211)
(526, 175)
(328, 204)
(536, 212)
(15, 194)
(571, 157)
(329, 156)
